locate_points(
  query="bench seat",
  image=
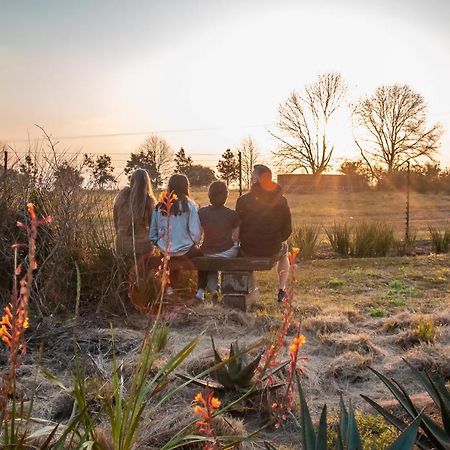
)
(240, 263)
(238, 283)
(211, 263)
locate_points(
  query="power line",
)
(139, 133)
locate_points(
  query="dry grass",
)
(431, 357)
(350, 366)
(360, 343)
(323, 324)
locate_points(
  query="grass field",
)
(354, 312)
(390, 207)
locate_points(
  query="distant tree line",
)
(390, 130)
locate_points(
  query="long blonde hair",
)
(138, 199)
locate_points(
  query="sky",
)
(102, 75)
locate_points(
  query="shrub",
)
(372, 239)
(425, 330)
(305, 237)
(339, 236)
(76, 250)
(440, 239)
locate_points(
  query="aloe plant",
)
(348, 435)
(432, 434)
(238, 370)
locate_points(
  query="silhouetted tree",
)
(101, 170)
(65, 175)
(199, 175)
(249, 157)
(303, 125)
(155, 156)
(182, 161)
(392, 129)
(228, 167)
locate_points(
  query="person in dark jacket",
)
(265, 223)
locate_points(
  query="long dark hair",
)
(179, 185)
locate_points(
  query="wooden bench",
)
(238, 284)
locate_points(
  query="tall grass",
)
(372, 239)
(339, 237)
(440, 239)
(305, 237)
(361, 240)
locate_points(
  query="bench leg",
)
(239, 290)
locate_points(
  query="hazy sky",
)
(222, 67)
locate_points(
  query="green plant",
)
(375, 432)
(432, 434)
(371, 239)
(348, 431)
(339, 236)
(398, 288)
(305, 237)
(377, 312)
(425, 330)
(440, 239)
(335, 282)
(238, 371)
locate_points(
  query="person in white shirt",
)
(185, 231)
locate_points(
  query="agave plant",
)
(348, 435)
(432, 433)
(238, 371)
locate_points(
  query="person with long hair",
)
(185, 231)
(133, 207)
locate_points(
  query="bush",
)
(372, 239)
(305, 237)
(76, 249)
(440, 239)
(339, 236)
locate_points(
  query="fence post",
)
(5, 158)
(240, 172)
(408, 188)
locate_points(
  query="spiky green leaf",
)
(407, 439)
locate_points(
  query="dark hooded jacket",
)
(265, 220)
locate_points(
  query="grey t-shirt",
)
(217, 223)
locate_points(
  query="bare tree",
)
(392, 129)
(249, 157)
(303, 125)
(156, 156)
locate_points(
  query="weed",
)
(378, 312)
(397, 288)
(335, 282)
(305, 237)
(397, 302)
(425, 330)
(372, 239)
(339, 236)
(440, 239)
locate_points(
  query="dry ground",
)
(354, 313)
